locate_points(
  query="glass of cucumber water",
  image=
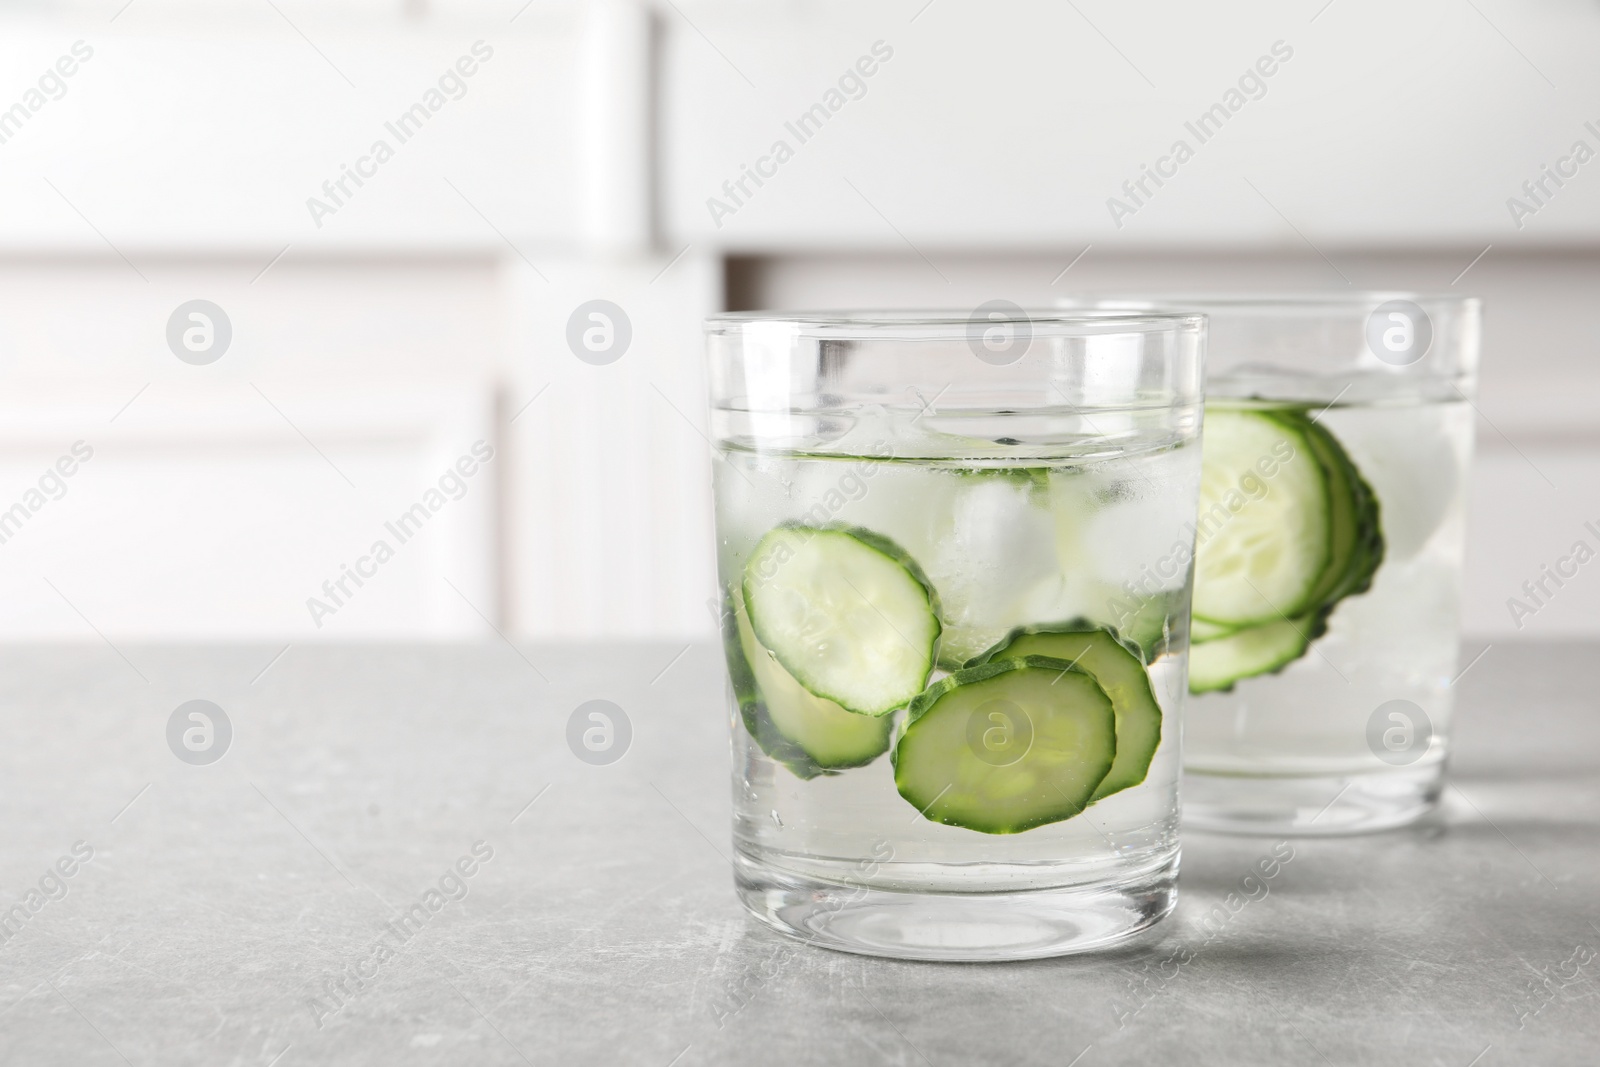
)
(1338, 434)
(955, 733)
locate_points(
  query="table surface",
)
(220, 905)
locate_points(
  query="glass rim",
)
(918, 324)
(1355, 300)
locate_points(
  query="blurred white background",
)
(559, 153)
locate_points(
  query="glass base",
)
(1310, 806)
(906, 925)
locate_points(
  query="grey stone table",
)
(400, 861)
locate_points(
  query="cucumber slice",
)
(1230, 647)
(1214, 666)
(1120, 673)
(752, 708)
(1356, 548)
(1201, 631)
(740, 677)
(846, 612)
(806, 733)
(1007, 745)
(1260, 558)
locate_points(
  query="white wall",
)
(975, 162)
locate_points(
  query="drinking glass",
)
(954, 735)
(1327, 615)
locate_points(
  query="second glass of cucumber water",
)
(1338, 434)
(955, 736)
